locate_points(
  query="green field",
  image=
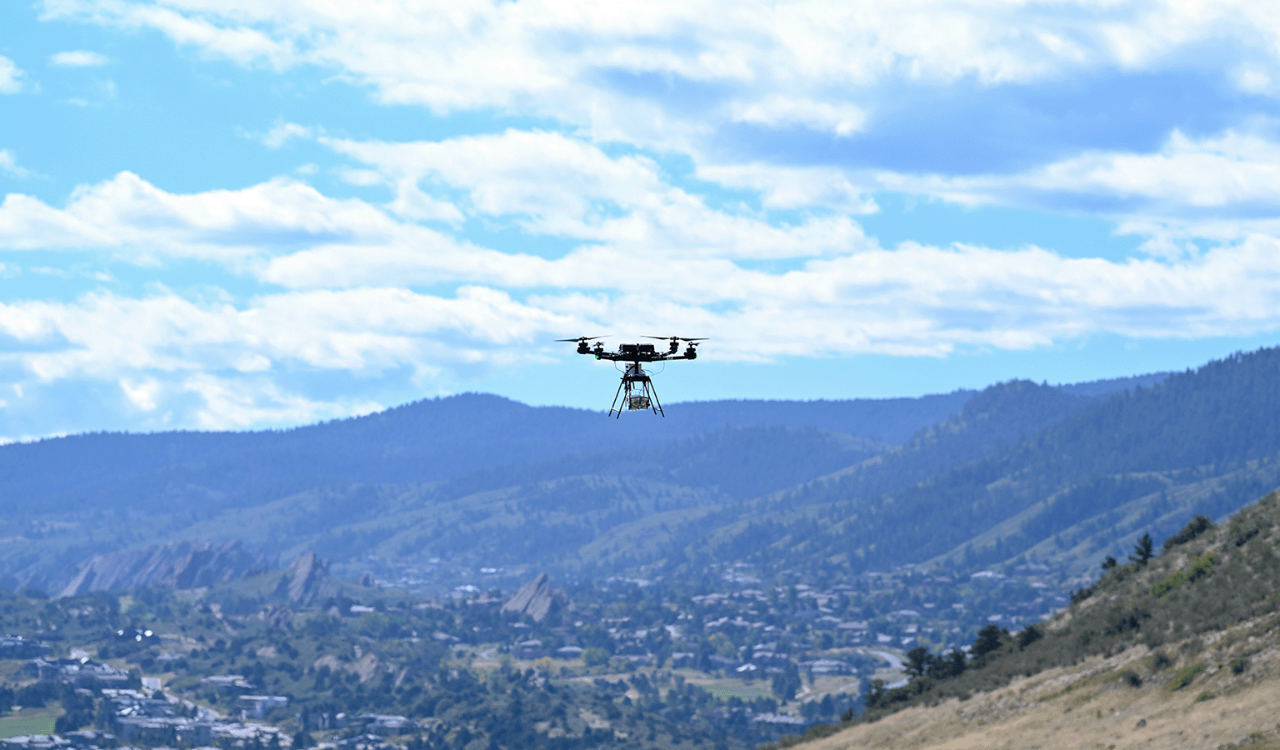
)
(38, 721)
(727, 687)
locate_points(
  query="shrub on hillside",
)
(1194, 528)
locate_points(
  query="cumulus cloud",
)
(350, 265)
(338, 278)
(186, 26)
(1220, 187)
(690, 65)
(704, 162)
(106, 336)
(283, 132)
(10, 76)
(79, 59)
(243, 403)
(552, 184)
(843, 120)
(794, 187)
(139, 221)
(9, 164)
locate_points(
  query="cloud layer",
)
(699, 168)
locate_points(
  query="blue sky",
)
(234, 214)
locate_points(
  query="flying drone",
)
(637, 389)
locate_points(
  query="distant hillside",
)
(425, 441)
(66, 499)
(1203, 441)
(487, 481)
(1112, 385)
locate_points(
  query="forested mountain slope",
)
(425, 441)
(489, 482)
(535, 516)
(618, 508)
(1203, 441)
(64, 499)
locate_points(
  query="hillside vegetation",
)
(1017, 474)
(1135, 699)
(1155, 636)
(1079, 483)
(67, 498)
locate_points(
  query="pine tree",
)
(1143, 550)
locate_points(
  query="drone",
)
(636, 390)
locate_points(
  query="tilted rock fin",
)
(179, 565)
(307, 581)
(533, 599)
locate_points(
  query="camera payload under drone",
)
(637, 389)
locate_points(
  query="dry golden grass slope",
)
(1230, 697)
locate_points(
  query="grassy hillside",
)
(1096, 703)
(1198, 622)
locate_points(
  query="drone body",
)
(637, 389)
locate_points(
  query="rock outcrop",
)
(180, 565)
(277, 617)
(307, 581)
(535, 599)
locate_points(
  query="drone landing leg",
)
(657, 403)
(615, 401)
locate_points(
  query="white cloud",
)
(552, 184)
(362, 331)
(843, 120)
(912, 300)
(814, 64)
(141, 222)
(79, 59)
(10, 76)
(232, 403)
(1229, 170)
(1253, 80)
(242, 45)
(1219, 187)
(143, 395)
(239, 404)
(350, 310)
(9, 163)
(283, 132)
(639, 243)
(792, 187)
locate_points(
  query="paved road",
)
(895, 664)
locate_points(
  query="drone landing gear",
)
(637, 392)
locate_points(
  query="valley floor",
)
(1094, 704)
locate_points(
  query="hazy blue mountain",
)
(994, 420)
(1112, 385)
(424, 441)
(1141, 460)
(67, 498)
(491, 479)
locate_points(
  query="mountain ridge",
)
(406, 481)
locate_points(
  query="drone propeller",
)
(672, 338)
(582, 338)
